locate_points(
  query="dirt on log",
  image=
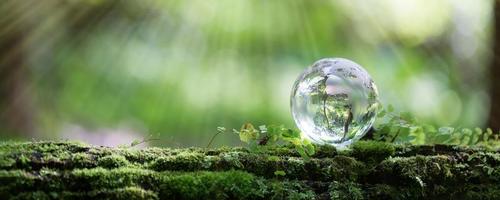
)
(369, 170)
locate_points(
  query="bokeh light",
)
(97, 70)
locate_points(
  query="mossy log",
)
(369, 170)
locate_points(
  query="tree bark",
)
(16, 106)
(494, 117)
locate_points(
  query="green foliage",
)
(402, 127)
(137, 142)
(342, 190)
(258, 140)
(390, 127)
(279, 173)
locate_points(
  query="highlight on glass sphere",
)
(334, 102)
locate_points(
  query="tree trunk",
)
(16, 106)
(494, 118)
(369, 170)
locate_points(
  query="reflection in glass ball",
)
(334, 102)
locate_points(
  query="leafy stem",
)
(402, 127)
(265, 136)
(144, 140)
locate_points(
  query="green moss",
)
(5, 160)
(170, 185)
(82, 160)
(417, 171)
(372, 152)
(130, 193)
(345, 191)
(370, 170)
(112, 161)
(346, 168)
(289, 190)
(227, 185)
(325, 151)
(185, 161)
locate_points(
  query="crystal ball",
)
(334, 102)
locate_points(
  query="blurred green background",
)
(108, 72)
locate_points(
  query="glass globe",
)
(334, 102)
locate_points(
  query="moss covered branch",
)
(370, 170)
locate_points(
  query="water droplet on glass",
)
(334, 102)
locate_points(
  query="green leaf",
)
(487, 134)
(263, 129)
(221, 129)
(309, 149)
(475, 136)
(489, 131)
(248, 133)
(274, 130)
(478, 131)
(465, 140)
(273, 158)
(428, 128)
(280, 173)
(291, 133)
(446, 130)
(441, 139)
(490, 170)
(135, 143)
(301, 151)
(406, 139)
(466, 131)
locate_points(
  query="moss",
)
(384, 191)
(185, 161)
(15, 180)
(345, 190)
(372, 152)
(131, 193)
(325, 151)
(370, 170)
(82, 160)
(416, 171)
(228, 185)
(169, 185)
(289, 190)
(345, 168)
(112, 161)
(6, 161)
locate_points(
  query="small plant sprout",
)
(390, 126)
(402, 127)
(265, 136)
(137, 142)
(219, 131)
